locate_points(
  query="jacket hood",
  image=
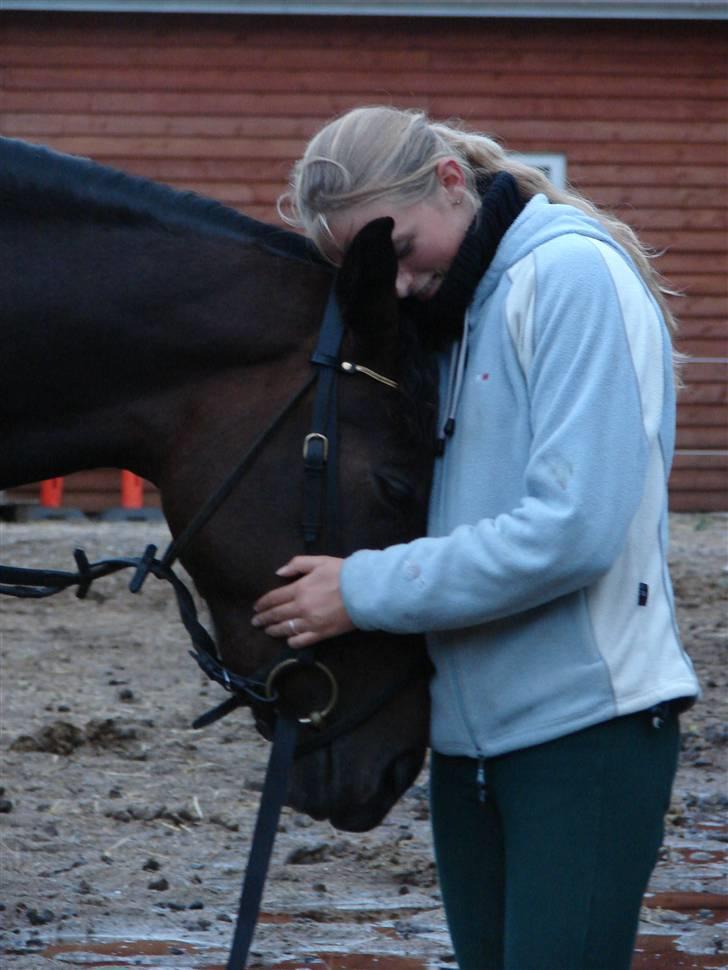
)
(539, 223)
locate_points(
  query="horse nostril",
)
(394, 489)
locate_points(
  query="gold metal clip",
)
(350, 368)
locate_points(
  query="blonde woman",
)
(542, 584)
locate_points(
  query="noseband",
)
(263, 691)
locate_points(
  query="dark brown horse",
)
(154, 330)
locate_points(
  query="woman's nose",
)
(404, 283)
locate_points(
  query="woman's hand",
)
(309, 609)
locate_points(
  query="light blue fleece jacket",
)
(543, 584)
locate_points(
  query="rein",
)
(261, 691)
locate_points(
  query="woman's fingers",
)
(300, 565)
(297, 566)
(309, 609)
(301, 638)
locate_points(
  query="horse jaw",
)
(355, 795)
(345, 809)
(355, 779)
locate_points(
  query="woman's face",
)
(426, 235)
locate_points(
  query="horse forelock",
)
(41, 181)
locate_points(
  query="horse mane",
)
(37, 180)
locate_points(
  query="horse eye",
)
(394, 489)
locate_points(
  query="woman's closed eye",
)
(404, 248)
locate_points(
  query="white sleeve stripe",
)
(644, 335)
(519, 309)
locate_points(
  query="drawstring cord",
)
(458, 358)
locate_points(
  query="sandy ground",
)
(124, 833)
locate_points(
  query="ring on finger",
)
(292, 627)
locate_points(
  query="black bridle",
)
(262, 691)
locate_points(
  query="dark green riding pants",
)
(545, 868)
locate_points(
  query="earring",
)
(458, 201)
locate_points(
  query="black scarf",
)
(440, 319)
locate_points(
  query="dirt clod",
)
(160, 885)
(60, 737)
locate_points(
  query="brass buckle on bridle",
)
(315, 718)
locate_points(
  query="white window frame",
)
(552, 164)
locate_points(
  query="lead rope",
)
(272, 799)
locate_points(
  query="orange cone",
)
(131, 502)
(51, 493)
(50, 504)
(132, 490)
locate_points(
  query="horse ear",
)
(365, 285)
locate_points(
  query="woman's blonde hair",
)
(374, 153)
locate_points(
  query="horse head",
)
(385, 454)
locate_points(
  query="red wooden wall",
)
(224, 104)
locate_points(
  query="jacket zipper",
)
(480, 780)
(452, 399)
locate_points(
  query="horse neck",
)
(131, 337)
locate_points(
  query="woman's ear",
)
(451, 176)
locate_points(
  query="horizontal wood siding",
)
(222, 105)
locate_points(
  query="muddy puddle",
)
(159, 954)
(700, 917)
(652, 950)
